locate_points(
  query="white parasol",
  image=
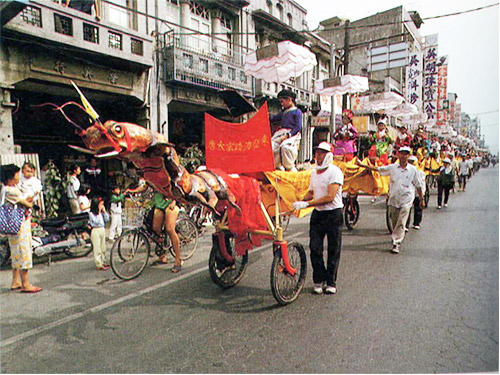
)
(404, 109)
(279, 62)
(346, 84)
(377, 102)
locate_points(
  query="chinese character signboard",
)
(442, 91)
(430, 94)
(239, 148)
(414, 80)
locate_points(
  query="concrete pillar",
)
(6, 129)
(185, 20)
(218, 45)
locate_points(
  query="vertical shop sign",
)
(430, 77)
(414, 80)
(442, 92)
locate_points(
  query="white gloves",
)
(299, 205)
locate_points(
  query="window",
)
(187, 61)
(175, 2)
(218, 69)
(204, 65)
(63, 25)
(32, 15)
(136, 46)
(243, 77)
(290, 19)
(269, 7)
(90, 33)
(199, 10)
(115, 40)
(117, 13)
(279, 8)
(232, 74)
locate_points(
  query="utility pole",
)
(332, 75)
(347, 35)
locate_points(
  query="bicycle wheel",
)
(224, 273)
(188, 237)
(285, 287)
(85, 247)
(351, 214)
(129, 254)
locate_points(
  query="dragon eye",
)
(118, 128)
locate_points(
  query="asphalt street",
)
(431, 308)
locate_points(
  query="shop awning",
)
(377, 102)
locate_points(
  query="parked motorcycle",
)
(67, 235)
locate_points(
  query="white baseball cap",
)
(446, 160)
(412, 158)
(325, 146)
(405, 149)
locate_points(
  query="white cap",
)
(405, 148)
(325, 146)
(412, 158)
(446, 160)
(382, 120)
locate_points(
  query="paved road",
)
(432, 308)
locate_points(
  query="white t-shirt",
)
(30, 187)
(86, 202)
(73, 187)
(402, 184)
(319, 186)
(463, 168)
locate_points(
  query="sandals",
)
(35, 289)
(176, 268)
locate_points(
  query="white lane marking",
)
(70, 318)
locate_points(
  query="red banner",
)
(239, 147)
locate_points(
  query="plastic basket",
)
(133, 217)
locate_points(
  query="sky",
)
(470, 40)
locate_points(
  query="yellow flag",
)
(88, 108)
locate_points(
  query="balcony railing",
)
(198, 60)
(70, 27)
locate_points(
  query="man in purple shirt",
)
(286, 139)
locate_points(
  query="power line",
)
(483, 113)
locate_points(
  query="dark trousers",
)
(462, 181)
(329, 224)
(417, 211)
(446, 190)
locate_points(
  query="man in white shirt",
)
(325, 195)
(72, 189)
(463, 172)
(404, 181)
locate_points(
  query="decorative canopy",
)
(346, 84)
(377, 102)
(404, 109)
(279, 62)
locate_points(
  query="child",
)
(97, 218)
(83, 200)
(117, 201)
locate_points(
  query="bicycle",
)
(351, 210)
(131, 251)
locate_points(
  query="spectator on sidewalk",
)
(83, 197)
(94, 177)
(20, 243)
(463, 172)
(97, 221)
(73, 187)
(404, 181)
(325, 195)
(29, 185)
(116, 209)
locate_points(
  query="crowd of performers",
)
(415, 163)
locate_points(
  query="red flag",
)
(239, 147)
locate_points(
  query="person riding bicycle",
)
(345, 137)
(165, 214)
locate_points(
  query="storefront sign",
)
(320, 121)
(442, 91)
(414, 80)
(430, 94)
